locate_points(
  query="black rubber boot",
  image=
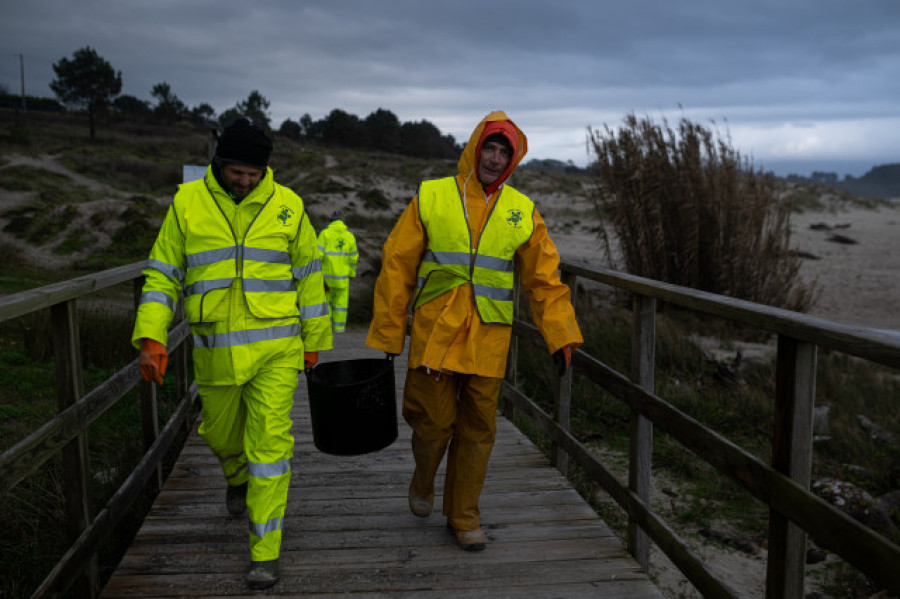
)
(263, 575)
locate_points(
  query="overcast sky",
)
(799, 85)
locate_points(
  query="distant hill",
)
(549, 164)
(880, 182)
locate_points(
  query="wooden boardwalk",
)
(348, 531)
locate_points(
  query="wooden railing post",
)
(643, 360)
(150, 429)
(795, 391)
(562, 402)
(512, 357)
(148, 409)
(75, 459)
(180, 367)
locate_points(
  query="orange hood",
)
(495, 122)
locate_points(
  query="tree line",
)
(88, 82)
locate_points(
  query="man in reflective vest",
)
(242, 252)
(337, 245)
(452, 256)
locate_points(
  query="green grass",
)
(52, 189)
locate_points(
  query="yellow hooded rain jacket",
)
(447, 333)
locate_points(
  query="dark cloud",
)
(807, 79)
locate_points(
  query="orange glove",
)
(310, 359)
(153, 360)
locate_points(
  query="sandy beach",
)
(859, 282)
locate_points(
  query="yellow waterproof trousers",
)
(459, 410)
(338, 302)
(248, 428)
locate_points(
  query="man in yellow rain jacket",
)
(337, 246)
(241, 250)
(452, 255)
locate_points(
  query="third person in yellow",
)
(337, 245)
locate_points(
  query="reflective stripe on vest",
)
(215, 259)
(449, 259)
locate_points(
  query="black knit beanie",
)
(245, 143)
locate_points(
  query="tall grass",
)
(686, 209)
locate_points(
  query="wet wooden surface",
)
(348, 530)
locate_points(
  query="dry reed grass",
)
(686, 209)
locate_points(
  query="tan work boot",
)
(263, 575)
(469, 540)
(236, 499)
(420, 506)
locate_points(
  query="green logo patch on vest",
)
(285, 215)
(514, 217)
(340, 244)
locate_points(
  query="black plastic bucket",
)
(353, 405)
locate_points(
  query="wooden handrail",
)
(32, 300)
(870, 344)
(783, 485)
(30, 453)
(66, 433)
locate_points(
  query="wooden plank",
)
(450, 579)
(643, 364)
(562, 401)
(792, 440)
(75, 457)
(348, 530)
(32, 300)
(234, 538)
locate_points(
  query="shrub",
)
(687, 210)
(374, 199)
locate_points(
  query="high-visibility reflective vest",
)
(452, 259)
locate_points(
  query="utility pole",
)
(22, 74)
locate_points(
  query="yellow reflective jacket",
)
(250, 277)
(337, 246)
(447, 333)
